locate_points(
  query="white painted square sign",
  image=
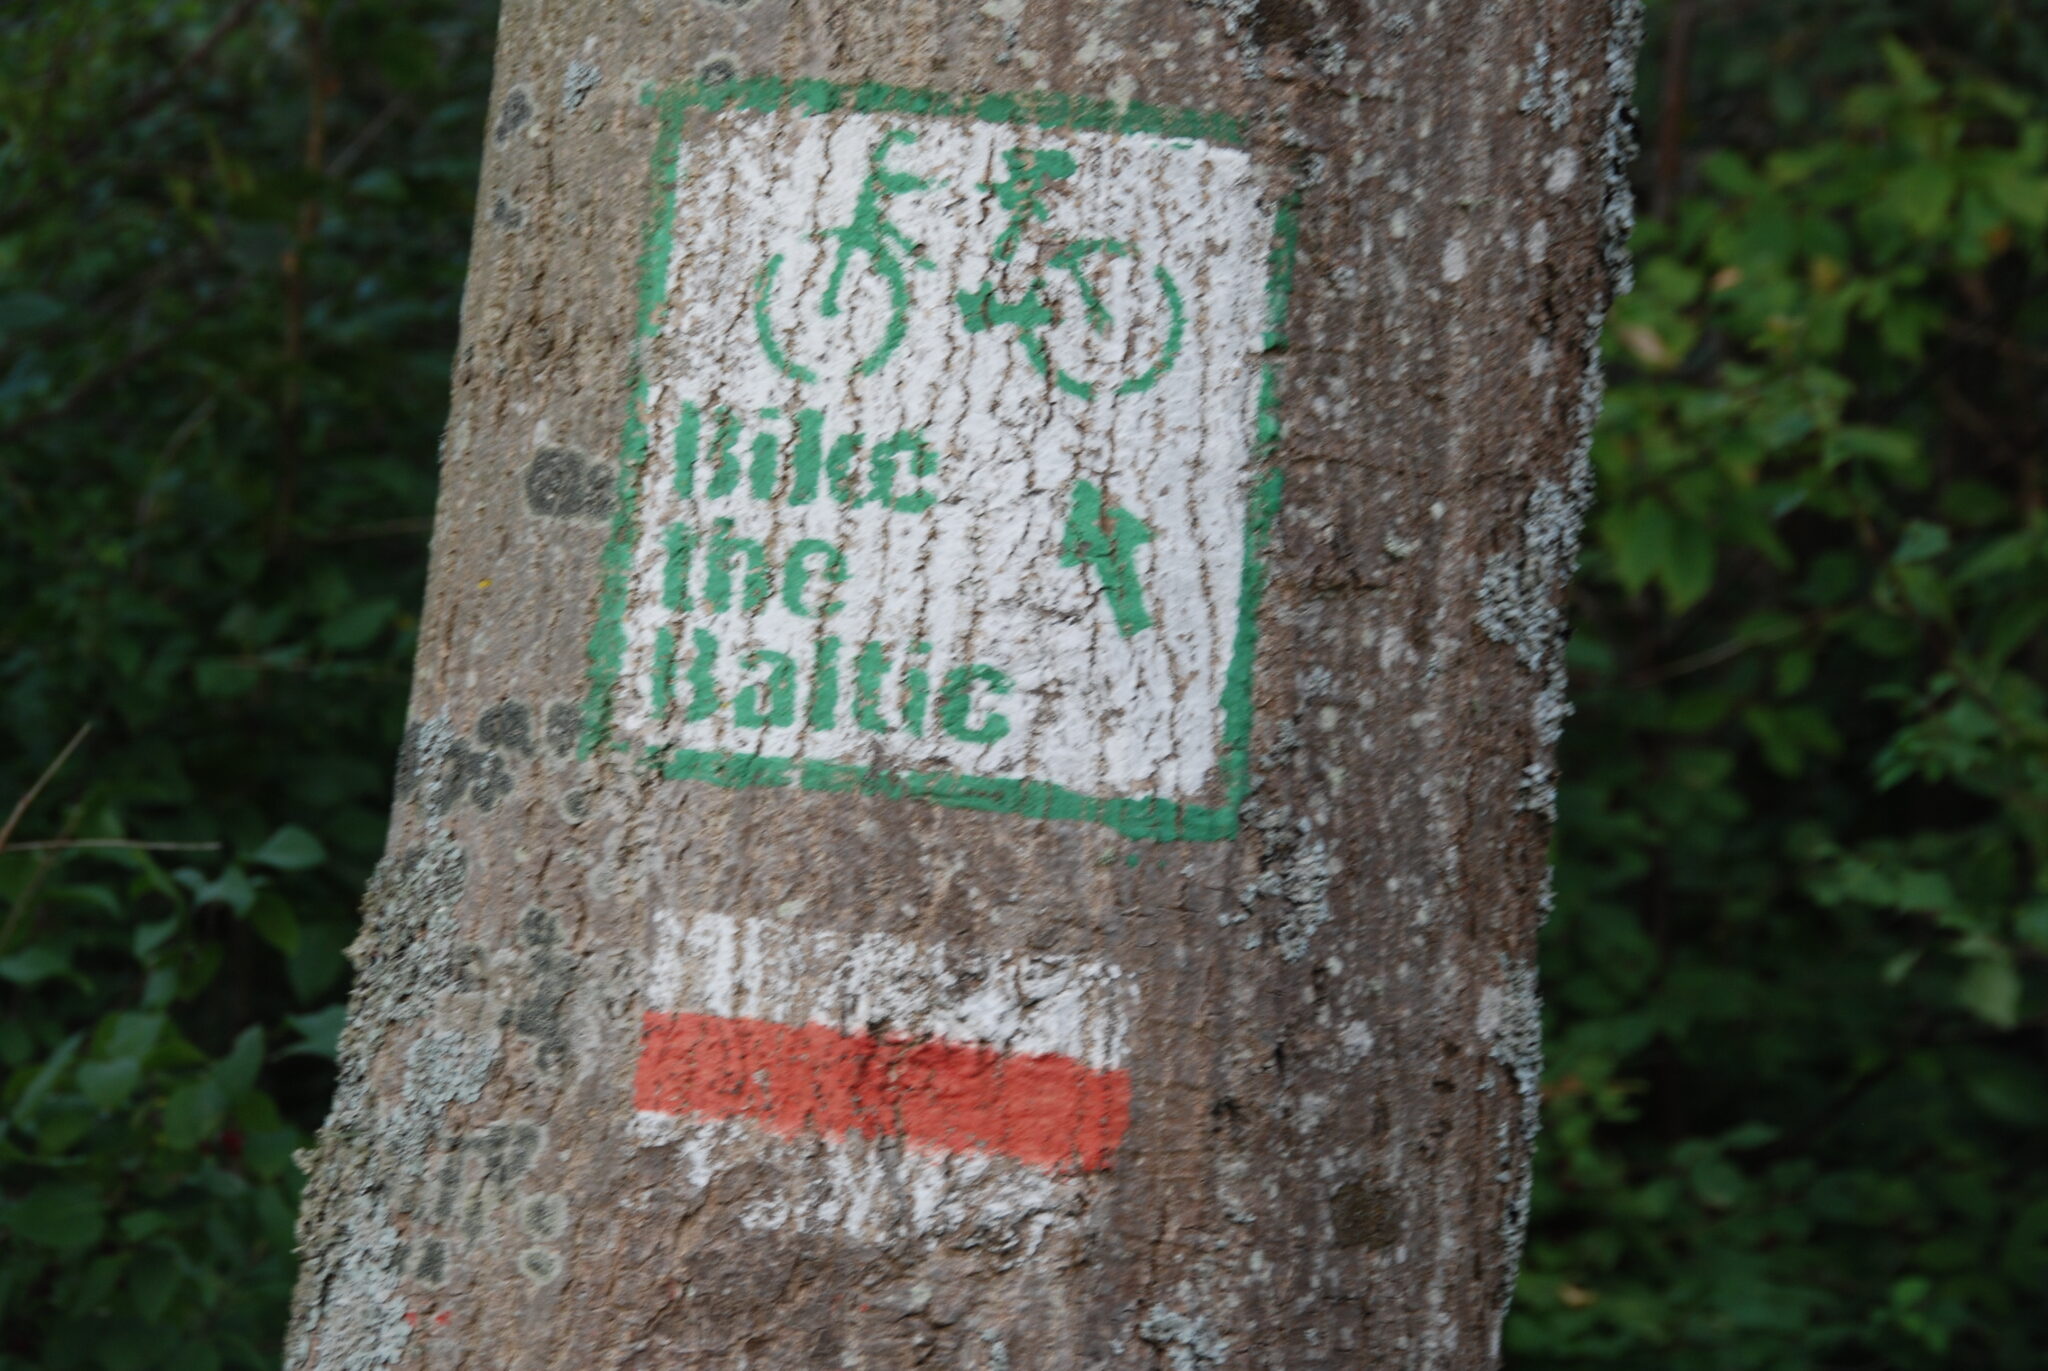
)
(945, 474)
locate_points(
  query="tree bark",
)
(981, 746)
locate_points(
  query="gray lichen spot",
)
(493, 780)
(1298, 870)
(514, 114)
(506, 215)
(718, 70)
(440, 769)
(551, 973)
(538, 928)
(564, 484)
(577, 82)
(1520, 592)
(1189, 1343)
(544, 1216)
(432, 1267)
(1618, 151)
(409, 927)
(1518, 595)
(1511, 1020)
(354, 1315)
(1237, 14)
(508, 726)
(450, 1189)
(347, 1300)
(1520, 604)
(540, 1265)
(1547, 89)
(564, 726)
(509, 1149)
(445, 1068)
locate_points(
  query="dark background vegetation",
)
(1797, 1101)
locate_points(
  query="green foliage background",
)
(1798, 1084)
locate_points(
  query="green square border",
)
(1146, 818)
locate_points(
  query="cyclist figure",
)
(870, 233)
(1031, 173)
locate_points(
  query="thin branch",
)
(49, 774)
(1671, 114)
(388, 528)
(162, 90)
(360, 144)
(75, 398)
(84, 149)
(25, 900)
(1657, 673)
(131, 844)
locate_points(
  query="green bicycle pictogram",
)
(870, 234)
(1031, 173)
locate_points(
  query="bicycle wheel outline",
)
(893, 277)
(980, 309)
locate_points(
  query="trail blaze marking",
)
(1043, 1110)
(806, 1032)
(1108, 540)
(946, 475)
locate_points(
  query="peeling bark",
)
(991, 814)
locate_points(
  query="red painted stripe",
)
(1046, 1110)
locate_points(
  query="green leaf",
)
(1716, 1183)
(274, 922)
(231, 888)
(236, 1072)
(1636, 536)
(354, 627)
(2000, 555)
(27, 309)
(142, 1223)
(46, 1077)
(1687, 570)
(2032, 923)
(2006, 1089)
(150, 936)
(321, 1030)
(109, 1084)
(192, 1114)
(2020, 194)
(1908, 71)
(1920, 195)
(1921, 542)
(318, 963)
(127, 1034)
(67, 1215)
(33, 965)
(291, 848)
(1990, 989)
(153, 1278)
(1894, 449)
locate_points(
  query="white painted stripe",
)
(875, 1189)
(769, 968)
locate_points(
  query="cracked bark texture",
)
(1328, 1023)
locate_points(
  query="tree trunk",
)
(982, 739)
